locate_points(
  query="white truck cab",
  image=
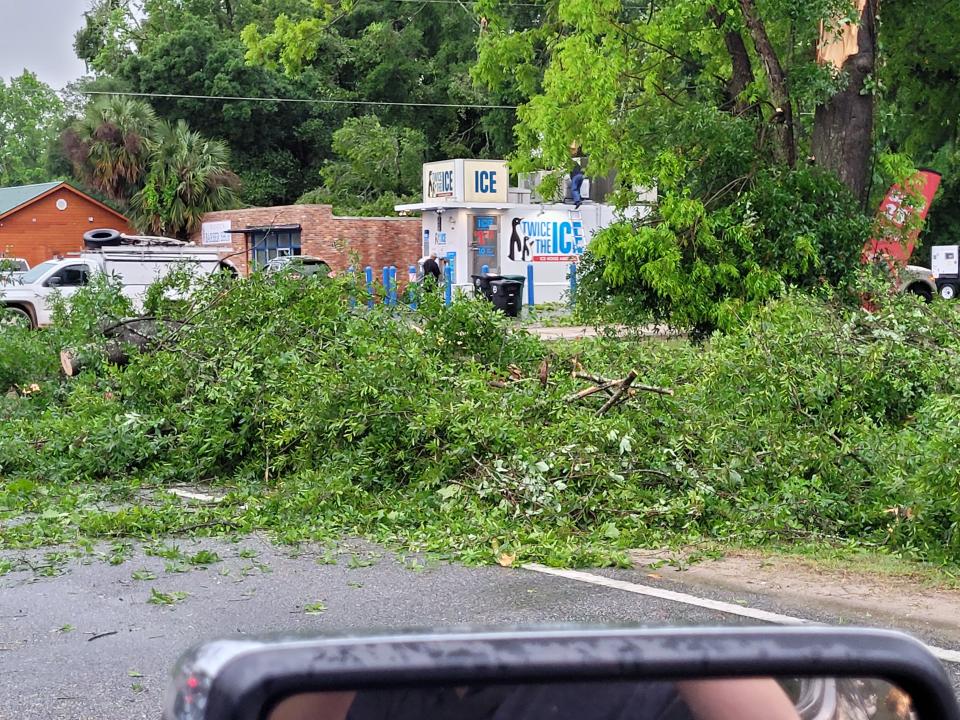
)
(28, 299)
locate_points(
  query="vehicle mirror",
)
(55, 281)
(800, 673)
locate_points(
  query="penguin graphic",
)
(527, 248)
(515, 243)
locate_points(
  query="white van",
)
(138, 263)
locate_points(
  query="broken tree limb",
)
(142, 331)
(591, 390)
(619, 394)
(604, 382)
(544, 373)
(73, 360)
(652, 389)
(582, 375)
(610, 383)
(139, 334)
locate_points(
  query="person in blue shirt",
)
(576, 182)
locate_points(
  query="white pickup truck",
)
(137, 264)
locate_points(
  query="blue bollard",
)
(530, 284)
(448, 285)
(353, 279)
(573, 284)
(393, 285)
(368, 272)
(485, 270)
(385, 281)
(412, 287)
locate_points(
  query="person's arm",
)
(314, 706)
(749, 699)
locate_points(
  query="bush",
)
(434, 429)
(699, 266)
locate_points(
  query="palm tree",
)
(189, 175)
(108, 146)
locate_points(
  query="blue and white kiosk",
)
(472, 216)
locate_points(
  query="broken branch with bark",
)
(618, 396)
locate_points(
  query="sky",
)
(38, 36)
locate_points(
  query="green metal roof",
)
(12, 197)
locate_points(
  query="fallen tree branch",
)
(653, 389)
(636, 387)
(591, 390)
(123, 338)
(582, 375)
(618, 396)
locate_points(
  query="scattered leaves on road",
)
(162, 598)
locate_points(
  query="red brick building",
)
(38, 222)
(256, 235)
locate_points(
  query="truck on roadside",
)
(945, 263)
(136, 261)
(12, 267)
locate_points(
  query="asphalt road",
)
(88, 645)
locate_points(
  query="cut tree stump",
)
(123, 338)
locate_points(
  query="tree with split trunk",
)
(754, 120)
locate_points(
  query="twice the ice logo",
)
(553, 240)
(440, 183)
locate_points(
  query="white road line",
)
(952, 656)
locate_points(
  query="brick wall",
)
(39, 230)
(377, 241)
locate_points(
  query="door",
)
(65, 281)
(484, 243)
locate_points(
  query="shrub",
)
(448, 428)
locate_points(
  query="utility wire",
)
(321, 101)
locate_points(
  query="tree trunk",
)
(776, 78)
(742, 74)
(122, 338)
(74, 360)
(843, 126)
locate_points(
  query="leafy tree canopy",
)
(323, 59)
(383, 51)
(732, 110)
(373, 162)
(30, 117)
(165, 173)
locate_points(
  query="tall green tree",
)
(376, 167)
(109, 146)
(189, 175)
(760, 150)
(165, 174)
(30, 116)
(374, 159)
(193, 47)
(415, 59)
(919, 110)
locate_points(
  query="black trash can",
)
(481, 284)
(522, 279)
(506, 296)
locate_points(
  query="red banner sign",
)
(900, 217)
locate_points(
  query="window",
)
(265, 245)
(38, 272)
(71, 276)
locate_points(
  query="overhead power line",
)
(319, 101)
